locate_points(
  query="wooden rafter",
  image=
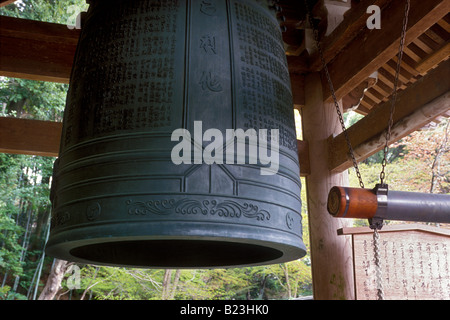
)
(33, 137)
(303, 157)
(434, 48)
(433, 58)
(298, 90)
(366, 136)
(354, 21)
(376, 47)
(6, 2)
(36, 50)
(44, 51)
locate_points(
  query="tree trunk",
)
(166, 284)
(175, 284)
(169, 289)
(262, 288)
(54, 280)
(25, 242)
(286, 276)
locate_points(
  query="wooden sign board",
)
(415, 262)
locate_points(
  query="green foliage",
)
(350, 118)
(7, 294)
(25, 205)
(25, 180)
(410, 162)
(54, 11)
(265, 282)
(10, 249)
(415, 163)
(37, 99)
(115, 283)
(24, 213)
(32, 99)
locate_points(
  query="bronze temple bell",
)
(143, 70)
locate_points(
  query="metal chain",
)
(376, 236)
(333, 93)
(378, 269)
(394, 93)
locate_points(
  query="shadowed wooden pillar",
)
(332, 269)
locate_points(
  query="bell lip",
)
(64, 243)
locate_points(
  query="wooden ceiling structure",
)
(44, 51)
(361, 63)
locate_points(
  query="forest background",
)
(419, 162)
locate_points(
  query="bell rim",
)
(252, 246)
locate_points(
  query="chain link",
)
(376, 236)
(333, 94)
(394, 93)
(378, 270)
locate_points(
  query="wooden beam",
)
(354, 21)
(6, 2)
(44, 51)
(297, 64)
(39, 50)
(366, 134)
(36, 50)
(368, 51)
(434, 58)
(405, 126)
(303, 158)
(32, 137)
(298, 90)
(331, 260)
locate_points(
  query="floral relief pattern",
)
(226, 208)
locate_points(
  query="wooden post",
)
(332, 268)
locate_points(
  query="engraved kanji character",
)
(208, 8)
(208, 43)
(209, 81)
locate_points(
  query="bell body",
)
(144, 69)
